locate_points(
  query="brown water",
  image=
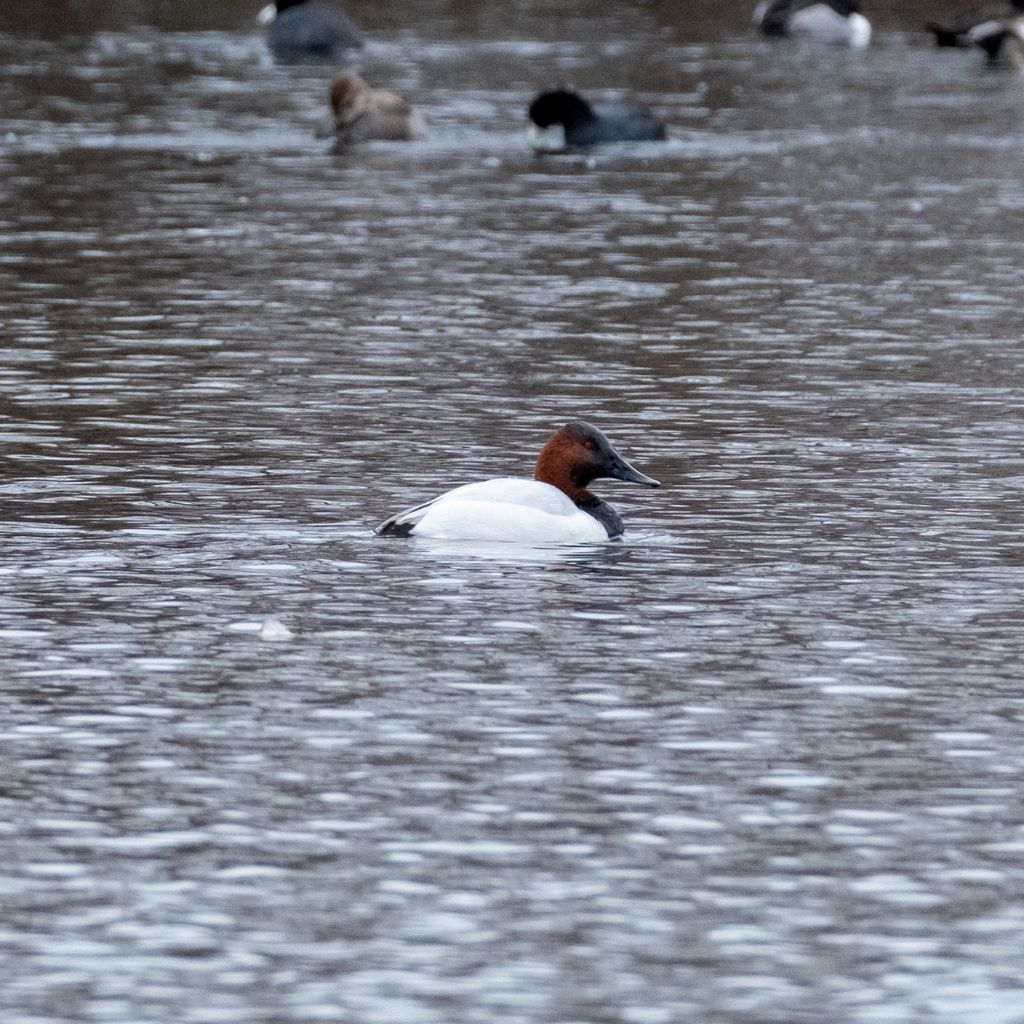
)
(759, 763)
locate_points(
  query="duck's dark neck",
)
(605, 515)
(585, 500)
(283, 5)
(578, 112)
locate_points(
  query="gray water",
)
(761, 762)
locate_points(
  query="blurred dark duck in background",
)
(362, 114)
(959, 30)
(585, 125)
(300, 32)
(1002, 41)
(828, 21)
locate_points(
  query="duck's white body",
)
(507, 509)
(822, 23)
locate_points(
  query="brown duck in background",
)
(362, 114)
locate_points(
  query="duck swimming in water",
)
(1002, 41)
(301, 32)
(963, 29)
(553, 508)
(362, 114)
(827, 21)
(586, 126)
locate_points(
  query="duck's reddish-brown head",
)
(350, 97)
(579, 453)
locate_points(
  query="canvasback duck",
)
(586, 126)
(362, 114)
(961, 30)
(1002, 41)
(301, 32)
(827, 21)
(553, 508)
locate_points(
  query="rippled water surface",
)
(761, 762)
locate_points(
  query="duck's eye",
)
(588, 444)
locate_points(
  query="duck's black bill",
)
(622, 470)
